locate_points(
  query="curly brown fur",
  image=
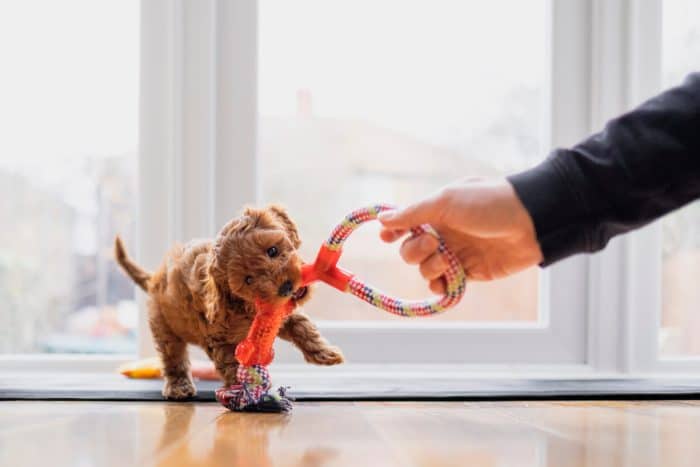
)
(203, 294)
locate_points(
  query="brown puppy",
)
(203, 294)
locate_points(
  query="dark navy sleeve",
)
(643, 165)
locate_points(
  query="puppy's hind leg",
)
(302, 332)
(173, 353)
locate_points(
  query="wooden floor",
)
(365, 434)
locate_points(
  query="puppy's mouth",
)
(300, 293)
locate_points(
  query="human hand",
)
(482, 221)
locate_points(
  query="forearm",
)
(644, 164)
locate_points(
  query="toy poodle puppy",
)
(204, 291)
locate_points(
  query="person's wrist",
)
(528, 244)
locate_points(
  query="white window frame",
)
(197, 166)
(624, 288)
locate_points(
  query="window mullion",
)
(643, 262)
(198, 123)
(235, 168)
(568, 121)
(159, 141)
(625, 50)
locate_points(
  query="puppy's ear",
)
(287, 222)
(213, 299)
(214, 283)
(215, 278)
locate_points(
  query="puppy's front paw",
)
(325, 356)
(179, 388)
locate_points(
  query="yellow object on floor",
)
(148, 368)
(151, 368)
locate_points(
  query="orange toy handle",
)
(256, 348)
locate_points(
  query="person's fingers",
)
(433, 267)
(474, 267)
(424, 212)
(391, 235)
(418, 249)
(438, 286)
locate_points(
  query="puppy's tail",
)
(137, 274)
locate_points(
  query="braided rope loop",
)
(454, 276)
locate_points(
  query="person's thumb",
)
(423, 212)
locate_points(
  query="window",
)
(67, 174)
(397, 100)
(680, 320)
(326, 106)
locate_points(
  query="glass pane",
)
(69, 93)
(386, 101)
(680, 319)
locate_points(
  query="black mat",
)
(61, 386)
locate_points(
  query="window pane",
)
(680, 320)
(387, 101)
(69, 90)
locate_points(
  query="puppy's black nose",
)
(285, 289)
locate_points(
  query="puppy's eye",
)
(248, 280)
(272, 252)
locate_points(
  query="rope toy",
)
(255, 352)
(325, 269)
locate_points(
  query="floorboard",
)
(510, 433)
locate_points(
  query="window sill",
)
(363, 384)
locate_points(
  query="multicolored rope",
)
(325, 269)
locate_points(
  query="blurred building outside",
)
(59, 288)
